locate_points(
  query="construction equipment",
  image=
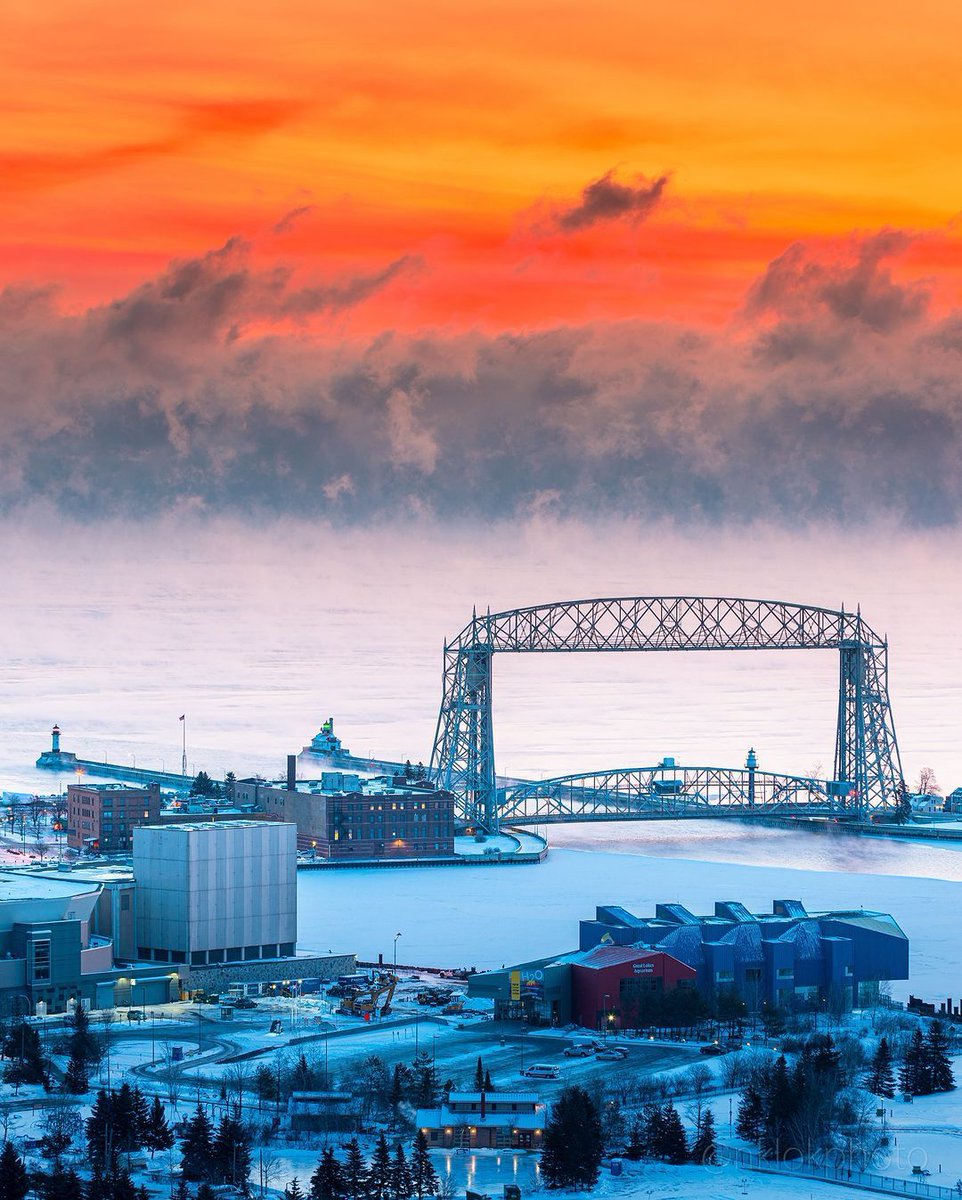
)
(374, 1002)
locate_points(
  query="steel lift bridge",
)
(867, 775)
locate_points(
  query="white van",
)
(542, 1071)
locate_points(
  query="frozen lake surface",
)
(485, 917)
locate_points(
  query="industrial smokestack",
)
(292, 772)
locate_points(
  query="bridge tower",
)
(868, 772)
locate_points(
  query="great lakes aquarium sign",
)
(645, 967)
(527, 983)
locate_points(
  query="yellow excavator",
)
(376, 1001)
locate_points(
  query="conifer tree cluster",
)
(390, 1175)
(26, 1060)
(210, 1156)
(120, 1122)
(659, 1133)
(926, 1067)
(791, 1111)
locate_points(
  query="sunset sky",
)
(412, 223)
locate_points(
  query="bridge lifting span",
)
(868, 772)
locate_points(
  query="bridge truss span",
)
(867, 765)
(665, 792)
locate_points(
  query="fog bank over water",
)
(257, 633)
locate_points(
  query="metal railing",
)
(846, 1176)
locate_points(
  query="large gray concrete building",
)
(210, 894)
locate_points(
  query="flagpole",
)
(183, 760)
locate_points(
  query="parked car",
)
(244, 1002)
(612, 1053)
(713, 1048)
(578, 1052)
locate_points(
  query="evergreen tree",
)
(139, 1118)
(635, 1145)
(671, 1145)
(75, 1079)
(98, 1186)
(573, 1142)
(197, 1148)
(401, 1184)
(101, 1147)
(479, 1075)
(488, 1085)
(265, 1083)
(22, 1047)
(157, 1132)
(327, 1182)
(355, 1172)
(780, 1106)
(14, 1180)
(881, 1078)
(397, 1086)
(751, 1113)
(379, 1172)
(705, 1149)
(913, 1074)
(293, 1190)
(937, 1061)
(62, 1185)
(303, 1078)
(424, 1178)
(124, 1118)
(122, 1186)
(231, 1152)
(426, 1090)
(83, 1043)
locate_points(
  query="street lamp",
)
(396, 936)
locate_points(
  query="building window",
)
(143, 952)
(178, 956)
(125, 902)
(786, 972)
(41, 962)
(235, 954)
(215, 956)
(252, 952)
(198, 958)
(287, 949)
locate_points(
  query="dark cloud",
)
(859, 288)
(838, 400)
(290, 219)
(607, 200)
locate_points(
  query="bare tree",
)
(38, 817)
(927, 784)
(107, 1018)
(40, 848)
(236, 1079)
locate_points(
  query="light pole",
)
(396, 936)
(604, 1019)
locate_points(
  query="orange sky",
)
(452, 132)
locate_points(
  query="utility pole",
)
(183, 759)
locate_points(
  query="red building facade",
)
(606, 982)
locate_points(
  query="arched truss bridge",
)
(664, 791)
(868, 772)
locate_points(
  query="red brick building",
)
(370, 819)
(102, 816)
